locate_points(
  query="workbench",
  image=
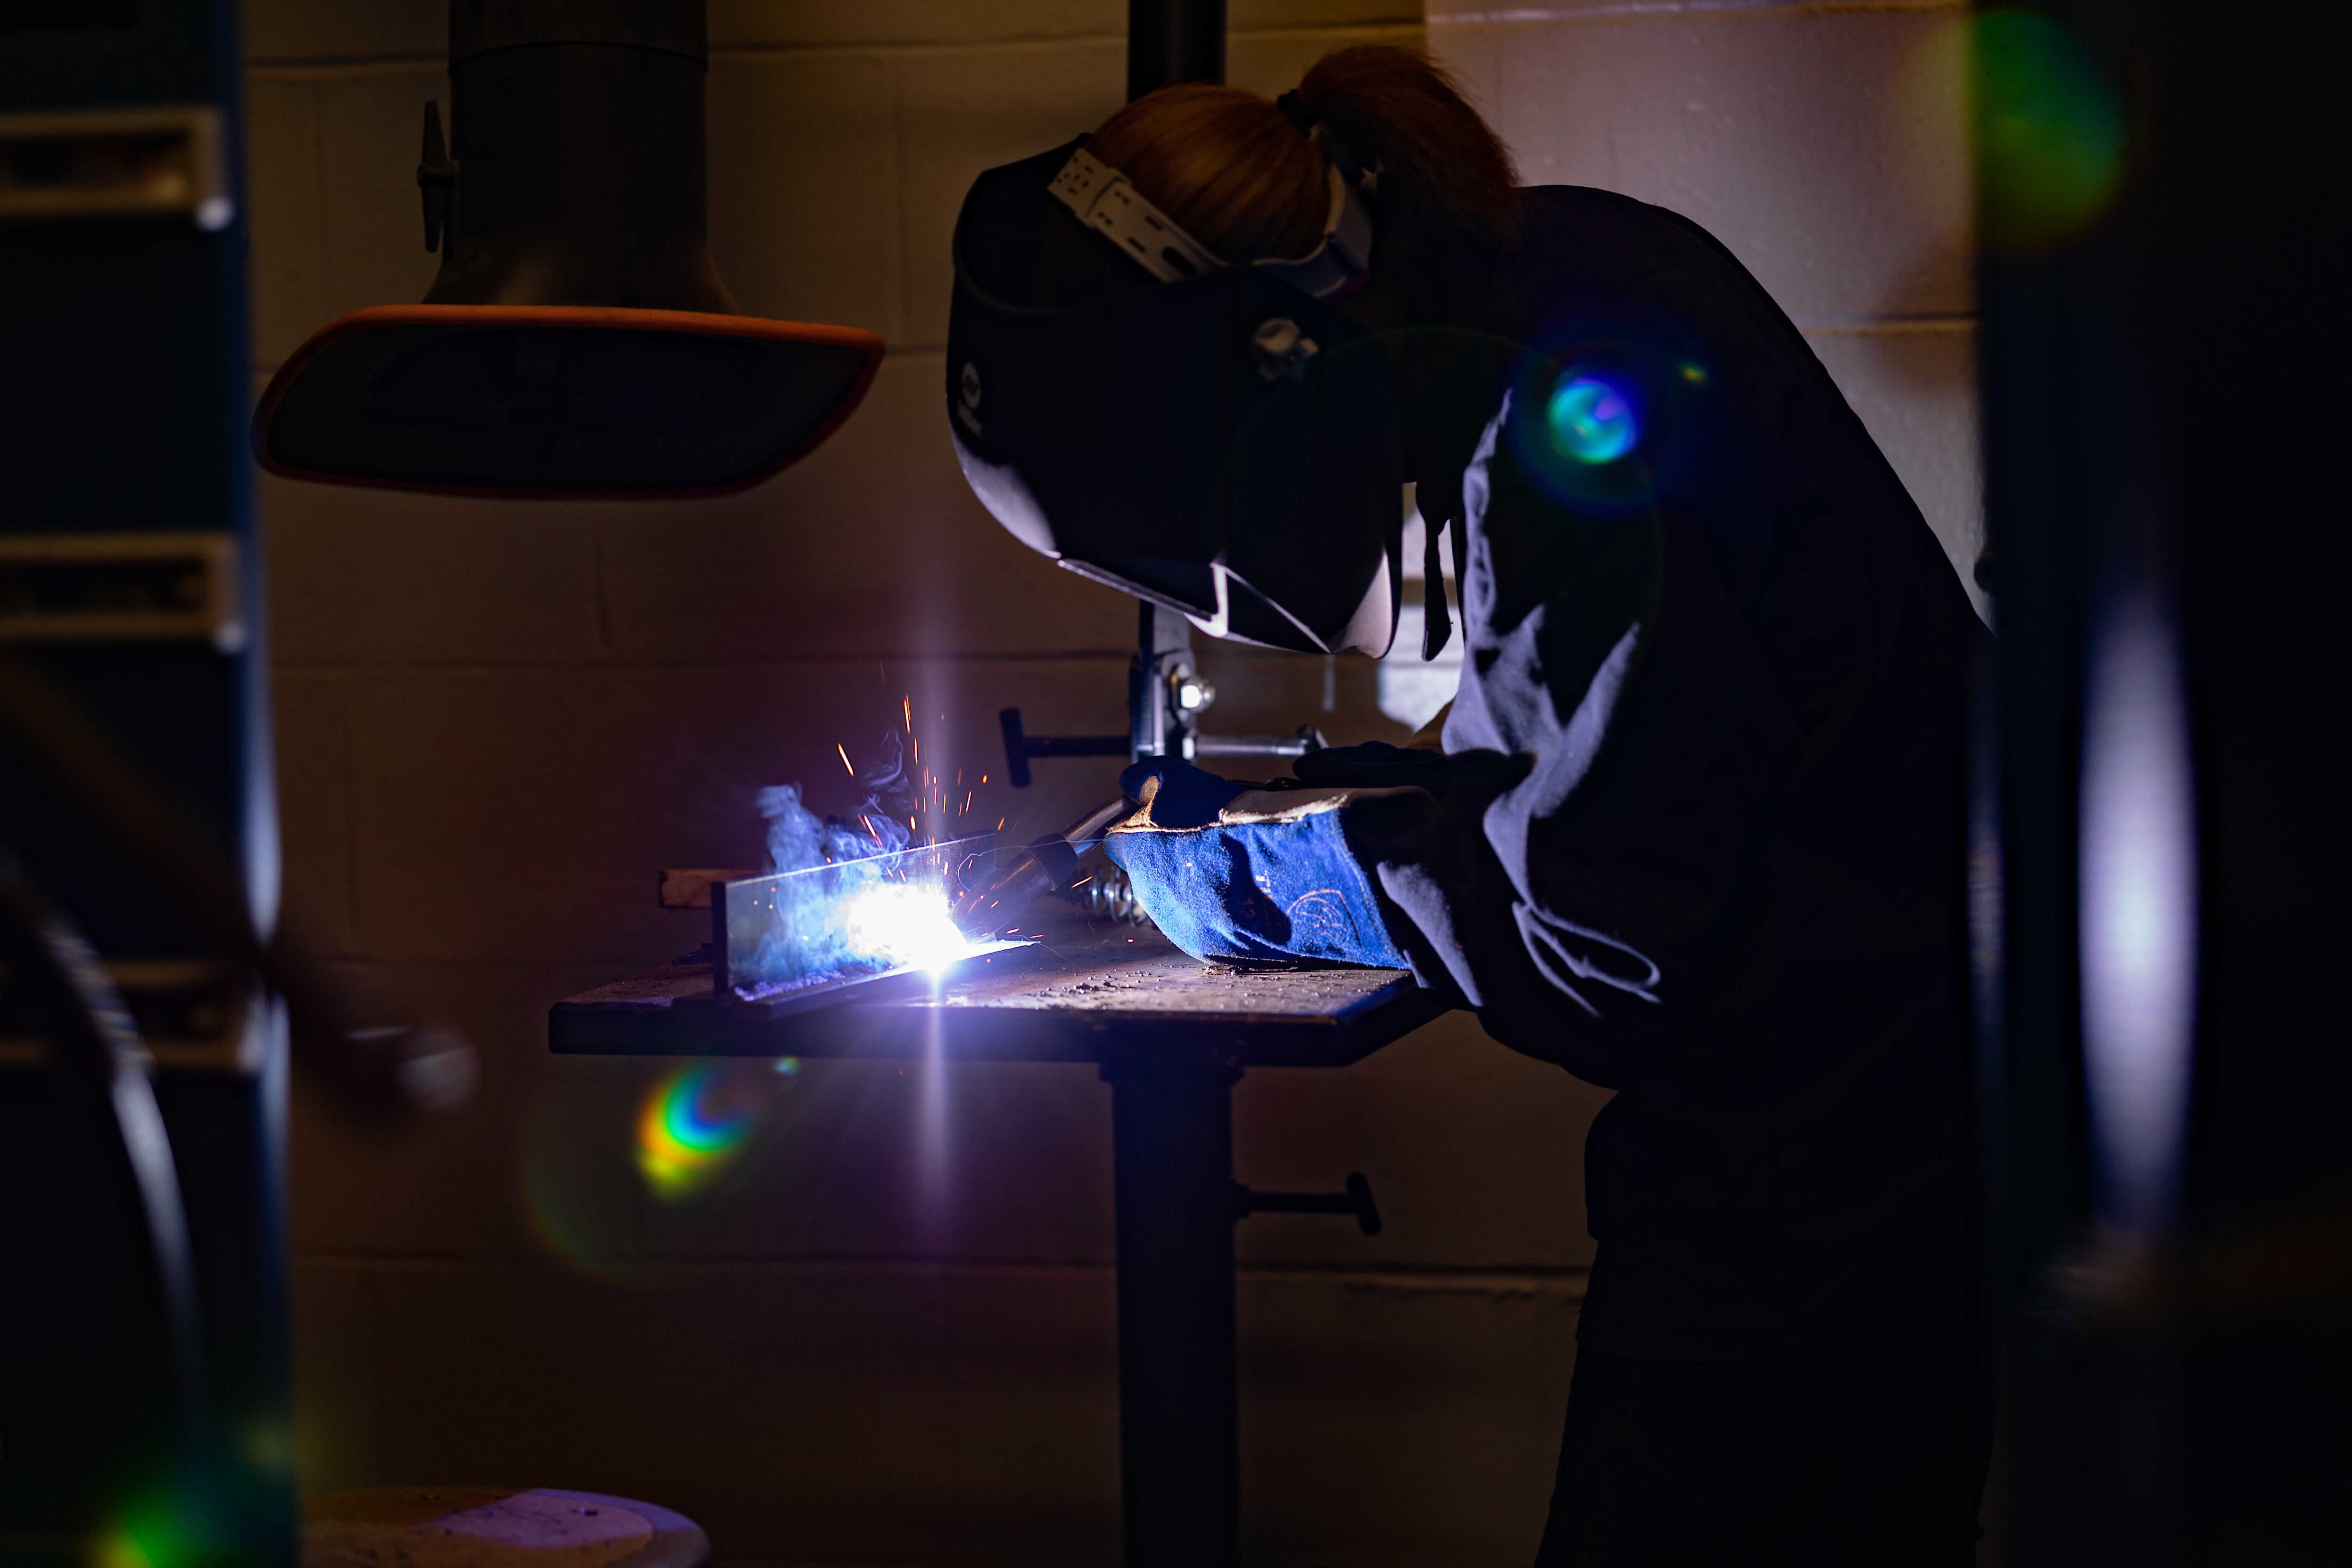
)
(1171, 1036)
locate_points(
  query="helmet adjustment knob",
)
(1282, 348)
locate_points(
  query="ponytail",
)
(1243, 179)
(1403, 112)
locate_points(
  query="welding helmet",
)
(1215, 438)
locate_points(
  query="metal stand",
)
(1172, 1039)
(1179, 1410)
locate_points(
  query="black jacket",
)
(1716, 859)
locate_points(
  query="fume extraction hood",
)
(578, 341)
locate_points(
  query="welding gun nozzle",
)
(1044, 865)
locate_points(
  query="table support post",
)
(1180, 1464)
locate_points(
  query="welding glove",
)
(1238, 871)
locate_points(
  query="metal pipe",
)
(1179, 1437)
(578, 152)
(1168, 41)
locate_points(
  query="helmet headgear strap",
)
(1103, 200)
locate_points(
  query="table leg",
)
(1180, 1467)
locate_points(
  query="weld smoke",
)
(799, 839)
(837, 858)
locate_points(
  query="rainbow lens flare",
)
(1590, 420)
(2049, 134)
(687, 1130)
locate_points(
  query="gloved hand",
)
(1228, 870)
(1375, 764)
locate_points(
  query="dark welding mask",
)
(1215, 438)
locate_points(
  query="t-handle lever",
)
(1356, 1200)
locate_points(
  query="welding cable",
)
(1045, 865)
(372, 1072)
(95, 1039)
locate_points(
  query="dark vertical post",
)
(1168, 41)
(1172, 1150)
(1172, 1123)
(1163, 656)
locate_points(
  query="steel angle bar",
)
(811, 938)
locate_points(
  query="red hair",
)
(1244, 180)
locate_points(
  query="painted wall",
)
(867, 1343)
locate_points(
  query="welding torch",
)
(1044, 865)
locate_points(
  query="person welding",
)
(1693, 828)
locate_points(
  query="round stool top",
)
(495, 1527)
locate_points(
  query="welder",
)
(1692, 828)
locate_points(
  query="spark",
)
(844, 758)
(984, 778)
(906, 707)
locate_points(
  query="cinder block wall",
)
(884, 1336)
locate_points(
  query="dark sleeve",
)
(1633, 744)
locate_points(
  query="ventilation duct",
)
(577, 342)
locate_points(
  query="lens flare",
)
(162, 1527)
(905, 923)
(687, 1130)
(2049, 134)
(1590, 420)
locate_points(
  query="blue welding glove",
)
(1228, 870)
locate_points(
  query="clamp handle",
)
(1020, 746)
(1356, 1200)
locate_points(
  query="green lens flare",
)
(2049, 134)
(161, 1527)
(1590, 420)
(682, 1140)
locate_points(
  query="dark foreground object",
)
(1171, 1036)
